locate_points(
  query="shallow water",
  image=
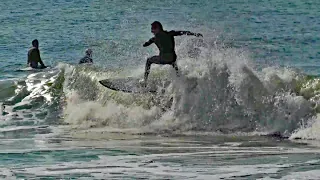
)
(108, 155)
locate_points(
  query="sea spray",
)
(218, 90)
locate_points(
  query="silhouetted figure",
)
(34, 56)
(87, 58)
(166, 45)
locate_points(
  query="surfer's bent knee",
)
(149, 62)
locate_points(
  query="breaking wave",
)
(220, 90)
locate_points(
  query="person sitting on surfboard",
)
(34, 56)
(87, 58)
(164, 40)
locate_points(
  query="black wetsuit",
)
(166, 45)
(86, 59)
(34, 58)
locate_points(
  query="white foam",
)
(219, 90)
(309, 131)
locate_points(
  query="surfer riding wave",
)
(164, 40)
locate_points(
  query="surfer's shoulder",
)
(33, 50)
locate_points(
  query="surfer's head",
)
(35, 43)
(156, 27)
(89, 52)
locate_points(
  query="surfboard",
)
(32, 69)
(129, 85)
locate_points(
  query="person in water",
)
(164, 40)
(34, 56)
(87, 58)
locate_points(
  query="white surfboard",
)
(33, 69)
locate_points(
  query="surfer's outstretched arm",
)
(188, 33)
(148, 43)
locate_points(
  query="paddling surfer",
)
(87, 58)
(34, 56)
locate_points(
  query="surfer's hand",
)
(198, 35)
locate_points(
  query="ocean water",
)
(246, 105)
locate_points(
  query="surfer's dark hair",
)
(157, 24)
(35, 42)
